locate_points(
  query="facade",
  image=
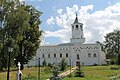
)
(76, 52)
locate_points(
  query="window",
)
(48, 55)
(66, 54)
(43, 56)
(72, 27)
(78, 56)
(81, 27)
(54, 55)
(60, 55)
(94, 55)
(76, 26)
(89, 54)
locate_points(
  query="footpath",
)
(67, 72)
(63, 74)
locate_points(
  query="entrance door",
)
(77, 63)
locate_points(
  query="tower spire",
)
(76, 19)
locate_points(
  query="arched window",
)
(78, 57)
(48, 55)
(72, 27)
(60, 55)
(54, 55)
(94, 55)
(81, 27)
(76, 26)
(43, 56)
(89, 54)
(66, 54)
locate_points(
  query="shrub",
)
(47, 70)
(44, 63)
(79, 72)
(114, 68)
(63, 64)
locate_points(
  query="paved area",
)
(67, 72)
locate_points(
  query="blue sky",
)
(98, 16)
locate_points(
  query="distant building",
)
(76, 52)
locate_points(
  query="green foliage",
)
(47, 70)
(112, 45)
(63, 64)
(44, 63)
(50, 65)
(79, 72)
(20, 23)
(55, 71)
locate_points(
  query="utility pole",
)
(39, 69)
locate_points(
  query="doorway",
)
(77, 63)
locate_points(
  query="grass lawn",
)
(28, 72)
(95, 73)
(91, 73)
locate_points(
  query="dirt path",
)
(67, 72)
(63, 74)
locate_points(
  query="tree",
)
(112, 45)
(63, 64)
(101, 45)
(44, 63)
(19, 22)
(55, 72)
(79, 72)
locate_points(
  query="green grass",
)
(31, 72)
(91, 73)
(95, 73)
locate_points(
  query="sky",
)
(99, 17)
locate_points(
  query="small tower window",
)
(81, 27)
(72, 27)
(76, 26)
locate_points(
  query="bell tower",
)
(77, 32)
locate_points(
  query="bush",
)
(79, 73)
(55, 73)
(47, 70)
(44, 63)
(63, 64)
(114, 68)
(50, 65)
(94, 64)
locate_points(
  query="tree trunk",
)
(118, 59)
(21, 58)
(22, 66)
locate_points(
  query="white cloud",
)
(50, 20)
(96, 24)
(59, 11)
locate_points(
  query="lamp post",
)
(39, 69)
(10, 49)
(70, 66)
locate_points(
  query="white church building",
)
(75, 52)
